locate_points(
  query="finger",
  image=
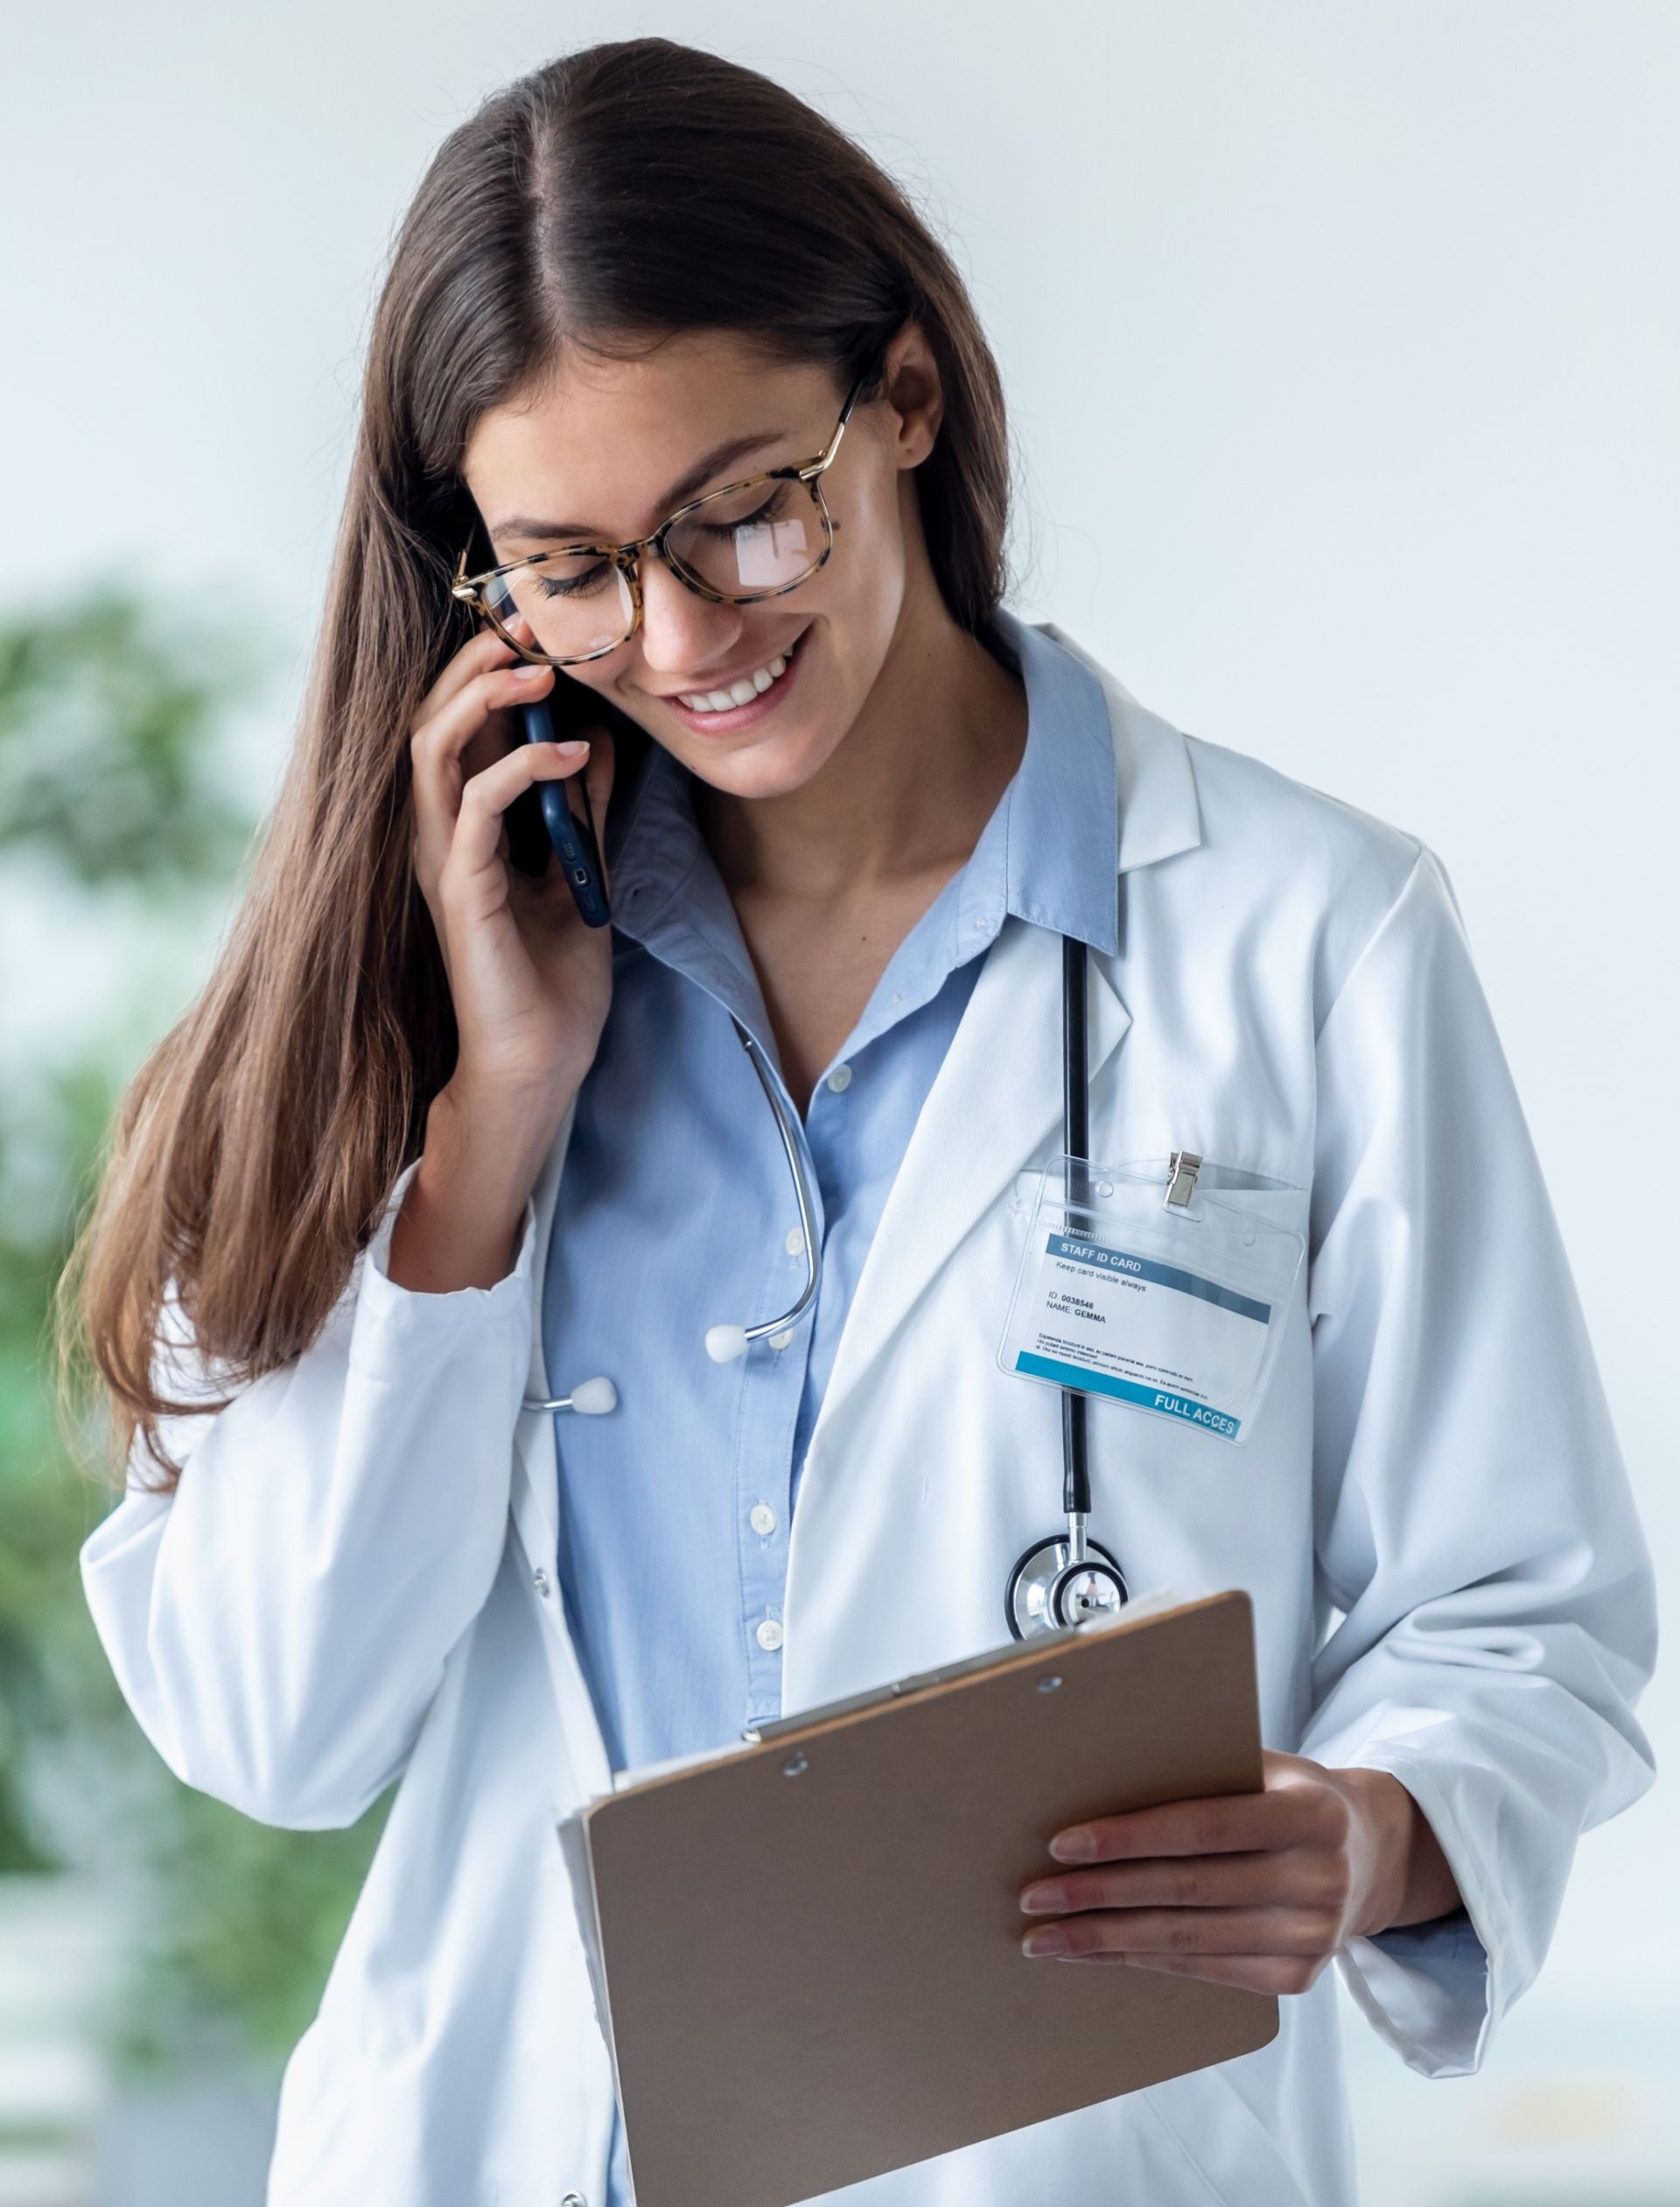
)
(1193, 1881)
(437, 748)
(1239, 1823)
(475, 849)
(1274, 1973)
(485, 651)
(1176, 1930)
(488, 649)
(1278, 1974)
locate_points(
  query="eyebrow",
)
(710, 464)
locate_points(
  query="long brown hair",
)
(611, 197)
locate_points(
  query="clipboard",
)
(806, 1948)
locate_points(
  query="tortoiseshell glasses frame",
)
(627, 557)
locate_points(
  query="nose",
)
(683, 633)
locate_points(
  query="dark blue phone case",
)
(575, 842)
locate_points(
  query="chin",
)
(773, 766)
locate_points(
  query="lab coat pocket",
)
(1161, 1284)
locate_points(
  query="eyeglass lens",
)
(739, 545)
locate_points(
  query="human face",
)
(602, 445)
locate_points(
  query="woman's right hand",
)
(529, 982)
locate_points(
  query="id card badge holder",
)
(1158, 1284)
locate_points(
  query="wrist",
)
(1406, 1878)
(491, 1141)
(462, 1214)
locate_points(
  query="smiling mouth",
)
(746, 688)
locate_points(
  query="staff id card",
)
(1167, 1297)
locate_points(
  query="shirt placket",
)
(773, 1386)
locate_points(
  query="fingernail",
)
(1049, 1940)
(527, 673)
(1045, 1899)
(1073, 1847)
(571, 748)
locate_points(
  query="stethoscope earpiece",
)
(590, 1398)
(725, 1343)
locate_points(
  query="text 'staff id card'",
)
(1176, 1310)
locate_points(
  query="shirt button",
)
(763, 1517)
(539, 1581)
(840, 1079)
(770, 1634)
(794, 1243)
(781, 1341)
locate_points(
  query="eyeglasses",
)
(754, 539)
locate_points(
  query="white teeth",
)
(739, 693)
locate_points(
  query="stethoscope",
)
(1068, 1578)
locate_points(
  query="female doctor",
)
(430, 1145)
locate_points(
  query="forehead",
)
(601, 442)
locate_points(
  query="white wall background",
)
(1344, 344)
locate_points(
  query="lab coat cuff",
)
(390, 1319)
(1431, 1991)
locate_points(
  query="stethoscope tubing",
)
(801, 1191)
(1075, 1142)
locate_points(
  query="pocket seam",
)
(1186, 2155)
(1241, 2106)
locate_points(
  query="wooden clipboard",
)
(808, 1950)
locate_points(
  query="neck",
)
(905, 793)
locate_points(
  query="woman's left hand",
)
(1258, 1889)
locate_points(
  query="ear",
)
(914, 393)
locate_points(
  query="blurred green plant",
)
(115, 793)
(108, 722)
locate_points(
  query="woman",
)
(430, 1144)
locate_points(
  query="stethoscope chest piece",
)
(1049, 1589)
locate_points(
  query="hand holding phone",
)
(528, 976)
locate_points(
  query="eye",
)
(744, 509)
(741, 521)
(571, 582)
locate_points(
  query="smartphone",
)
(542, 820)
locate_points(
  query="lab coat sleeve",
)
(1475, 1522)
(279, 1624)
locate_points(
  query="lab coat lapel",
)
(995, 1106)
(535, 1506)
(536, 1498)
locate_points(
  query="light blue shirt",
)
(676, 1211)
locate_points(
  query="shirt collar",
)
(1059, 818)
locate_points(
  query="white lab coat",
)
(354, 1583)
